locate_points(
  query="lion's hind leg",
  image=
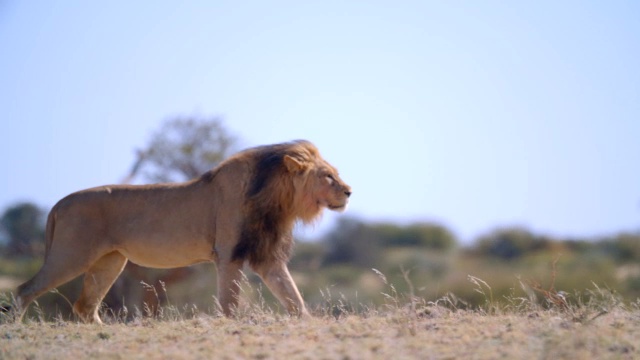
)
(55, 271)
(97, 281)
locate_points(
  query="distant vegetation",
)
(425, 258)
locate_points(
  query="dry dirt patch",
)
(441, 335)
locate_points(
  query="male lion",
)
(241, 211)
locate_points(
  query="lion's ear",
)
(294, 165)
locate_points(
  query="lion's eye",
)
(329, 179)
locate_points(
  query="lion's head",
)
(291, 182)
(316, 183)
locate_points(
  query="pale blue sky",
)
(475, 114)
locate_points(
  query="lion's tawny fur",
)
(242, 210)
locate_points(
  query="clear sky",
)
(475, 114)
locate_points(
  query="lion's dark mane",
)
(266, 234)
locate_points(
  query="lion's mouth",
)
(337, 207)
(334, 207)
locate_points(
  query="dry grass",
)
(405, 327)
(438, 333)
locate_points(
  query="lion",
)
(242, 211)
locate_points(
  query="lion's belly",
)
(168, 255)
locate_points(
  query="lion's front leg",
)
(229, 276)
(277, 278)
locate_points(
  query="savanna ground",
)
(402, 327)
(544, 298)
(581, 305)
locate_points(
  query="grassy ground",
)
(410, 331)
(441, 335)
(544, 324)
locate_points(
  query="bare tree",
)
(182, 149)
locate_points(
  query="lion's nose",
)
(348, 193)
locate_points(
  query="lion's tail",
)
(48, 237)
